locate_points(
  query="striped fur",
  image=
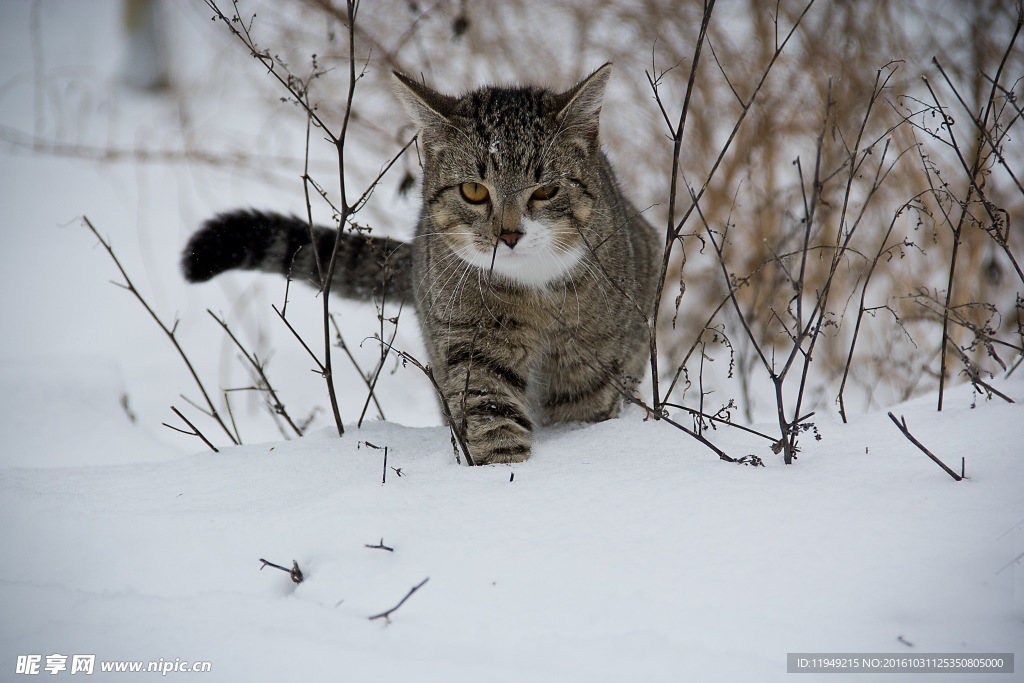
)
(532, 276)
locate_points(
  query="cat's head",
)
(511, 174)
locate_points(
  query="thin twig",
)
(387, 615)
(975, 376)
(662, 417)
(957, 231)
(671, 229)
(275, 403)
(295, 573)
(719, 420)
(316, 359)
(366, 378)
(195, 431)
(347, 210)
(167, 331)
(375, 375)
(861, 309)
(457, 433)
(379, 546)
(901, 424)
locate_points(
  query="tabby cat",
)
(532, 276)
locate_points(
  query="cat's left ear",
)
(580, 105)
(426, 107)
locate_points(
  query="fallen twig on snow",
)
(387, 615)
(294, 572)
(901, 424)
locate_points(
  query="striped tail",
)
(367, 268)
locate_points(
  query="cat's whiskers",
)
(569, 281)
(454, 267)
(444, 265)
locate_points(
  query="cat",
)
(533, 277)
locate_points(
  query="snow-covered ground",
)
(620, 551)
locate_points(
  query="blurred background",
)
(149, 116)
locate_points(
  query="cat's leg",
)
(485, 385)
(587, 371)
(579, 388)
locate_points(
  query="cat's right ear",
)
(426, 107)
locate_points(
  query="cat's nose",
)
(510, 238)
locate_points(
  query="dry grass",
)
(857, 178)
(901, 206)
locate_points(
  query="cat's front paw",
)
(499, 456)
(501, 439)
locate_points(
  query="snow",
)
(620, 551)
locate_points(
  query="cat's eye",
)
(545, 192)
(474, 193)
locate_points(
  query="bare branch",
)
(901, 424)
(195, 431)
(170, 332)
(386, 615)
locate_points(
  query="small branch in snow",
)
(294, 572)
(379, 546)
(384, 474)
(901, 424)
(386, 616)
